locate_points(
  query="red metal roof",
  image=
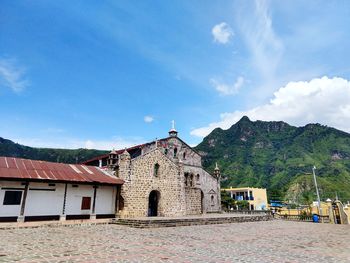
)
(16, 168)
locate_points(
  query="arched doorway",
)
(153, 202)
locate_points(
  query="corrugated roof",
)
(16, 168)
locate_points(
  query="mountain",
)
(280, 157)
(10, 149)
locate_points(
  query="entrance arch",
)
(153, 202)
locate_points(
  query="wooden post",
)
(23, 205)
(63, 215)
(93, 215)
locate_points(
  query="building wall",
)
(259, 194)
(176, 197)
(209, 186)
(140, 180)
(45, 200)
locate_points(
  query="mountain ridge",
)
(276, 155)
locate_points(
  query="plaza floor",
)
(269, 241)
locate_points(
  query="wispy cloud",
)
(73, 143)
(12, 75)
(148, 119)
(222, 33)
(225, 89)
(324, 100)
(263, 43)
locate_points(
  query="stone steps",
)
(174, 222)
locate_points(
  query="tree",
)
(226, 200)
(242, 205)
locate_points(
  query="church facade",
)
(162, 178)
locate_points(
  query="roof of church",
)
(25, 169)
(136, 147)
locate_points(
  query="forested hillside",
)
(280, 157)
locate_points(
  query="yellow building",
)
(256, 197)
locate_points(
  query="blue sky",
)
(104, 74)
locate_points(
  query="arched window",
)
(197, 177)
(156, 169)
(186, 179)
(191, 180)
(184, 155)
(212, 200)
(175, 152)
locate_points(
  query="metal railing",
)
(249, 212)
(304, 218)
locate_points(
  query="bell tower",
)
(173, 131)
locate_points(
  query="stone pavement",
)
(269, 241)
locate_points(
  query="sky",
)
(111, 74)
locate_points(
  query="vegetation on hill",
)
(11, 149)
(280, 157)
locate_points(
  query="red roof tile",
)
(16, 168)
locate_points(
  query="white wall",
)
(105, 200)
(41, 202)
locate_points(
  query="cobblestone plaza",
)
(271, 241)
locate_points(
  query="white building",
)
(38, 190)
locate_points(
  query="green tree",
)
(227, 201)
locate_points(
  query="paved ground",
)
(271, 241)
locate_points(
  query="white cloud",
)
(69, 143)
(148, 119)
(323, 100)
(264, 44)
(12, 75)
(227, 89)
(222, 33)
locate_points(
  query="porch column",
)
(63, 215)
(93, 215)
(23, 205)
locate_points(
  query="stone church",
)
(162, 178)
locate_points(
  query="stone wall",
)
(183, 186)
(141, 180)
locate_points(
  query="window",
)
(12, 198)
(191, 180)
(186, 179)
(212, 200)
(166, 151)
(197, 177)
(184, 156)
(175, 152)
(156, 169)
(86, 203)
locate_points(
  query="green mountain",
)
(280, 157)
(11, 149)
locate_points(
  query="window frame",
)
(6, 200)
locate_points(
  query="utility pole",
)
(318, 195)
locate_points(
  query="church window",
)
(175, 152)
(156, 169)
(186, 179)
(198, 177)
(212, 199)
(191, 180)
(184, 156)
